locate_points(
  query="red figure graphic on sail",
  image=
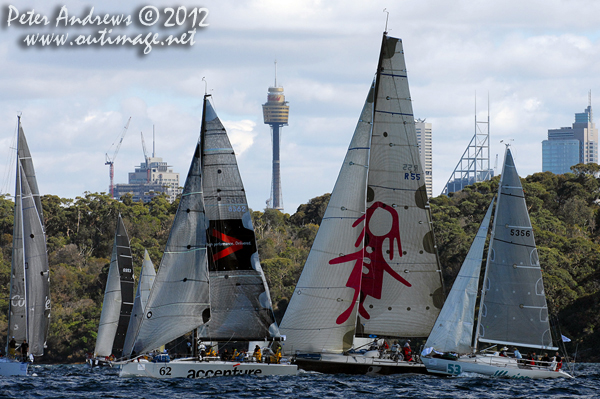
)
(372, 258)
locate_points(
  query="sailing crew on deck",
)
(24, 349)
(517, 354)
(503, 352)
(395, 348)
(558, 360)
(12, 347)
(407, 351)
(257, 354)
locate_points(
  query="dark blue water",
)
(77, 381)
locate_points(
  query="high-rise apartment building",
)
(569, 146)
(423, 130)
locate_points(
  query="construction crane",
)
(146, 158)
(110, 161)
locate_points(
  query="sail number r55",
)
(454, 369)
(412, 176)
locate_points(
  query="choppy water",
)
(77, 381)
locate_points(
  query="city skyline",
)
(537, 62)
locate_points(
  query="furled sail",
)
(30, 294)
(179, 299)
(118, 297)
(453, 329)
(513, 309)
(240, 301)
(401, 294)
(146, 280)
(321, 315)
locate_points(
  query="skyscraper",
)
(423, 130)
(568, 146)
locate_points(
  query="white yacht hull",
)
(12, 367)
(199, 369)
(493, 366)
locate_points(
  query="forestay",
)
(453, 330)
(513, 310)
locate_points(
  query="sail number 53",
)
(454, 369)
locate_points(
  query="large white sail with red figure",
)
(373, 268)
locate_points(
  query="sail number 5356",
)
(520, 233)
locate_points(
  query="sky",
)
(535, 60)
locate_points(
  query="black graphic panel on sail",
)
(230, 245)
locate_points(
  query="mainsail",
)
(29, 308)
(240, 301)
(374, 262)
(453, 330)
(118, 297)
(147, 276)
(513, 305)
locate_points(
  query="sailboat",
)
(29, 306)
(373, 269)
(513, 309)
(209, 280)
(118, 300)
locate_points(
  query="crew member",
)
(407, 351)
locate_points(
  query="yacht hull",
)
(199, 369)
(356, 364)
(493, 366)
(11, 367)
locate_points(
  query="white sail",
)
(513, 309)
(373, 263)
(321, 315)
(401, 292)
(453, 329)
(111, 308)
(240, 302)
(30, 295)
(179, 299)
(147, 276)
